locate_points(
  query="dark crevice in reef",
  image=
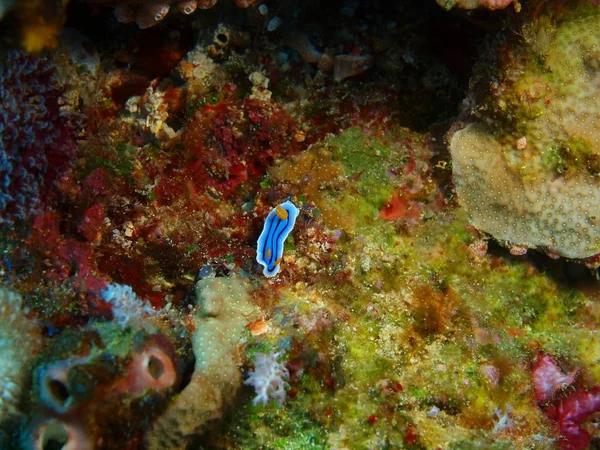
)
(423, 54)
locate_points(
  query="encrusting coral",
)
(527, 170)
(223, 310)
(20, 340)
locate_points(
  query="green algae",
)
(368, 159)
(270, 427)
(500, 313)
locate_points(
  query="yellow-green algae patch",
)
(350, 177)
(415, 340)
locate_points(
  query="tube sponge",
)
(20, 340)
(151, 368)
(55, 433)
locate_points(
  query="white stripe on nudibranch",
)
(278, 225)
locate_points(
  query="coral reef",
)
(145, 321)
(148, 14)
(268, 378)
(526, 170)
(126, 307)
(573, 409)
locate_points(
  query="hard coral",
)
(20, 339)
(222, 312)
(526, 172)
(37, 137)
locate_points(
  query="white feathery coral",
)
(127, 308)
(268, 378)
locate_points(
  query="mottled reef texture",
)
(438, 290)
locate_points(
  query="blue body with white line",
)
(278, 225)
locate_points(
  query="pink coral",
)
(570, 412)
(548, 378)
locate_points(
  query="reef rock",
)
(472, 4)
(527, 171)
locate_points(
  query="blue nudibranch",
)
(278, 225)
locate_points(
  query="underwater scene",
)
(299, 225)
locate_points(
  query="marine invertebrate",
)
(151, 112)
(571, 409)
(229, 146)
(548, 378)
(37, 135)
(53, 433)
(152, 367)
(346, 66)
(20, 339)
(278, 225)
(570, 414)
(102, 376)
(308, 52)
(343, 66)
(542, 191)
(223, 308)
(268, 378)
(127, 308)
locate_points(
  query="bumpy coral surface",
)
(37, 137)
(224, 308)
(527, 171)
(20, 339)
